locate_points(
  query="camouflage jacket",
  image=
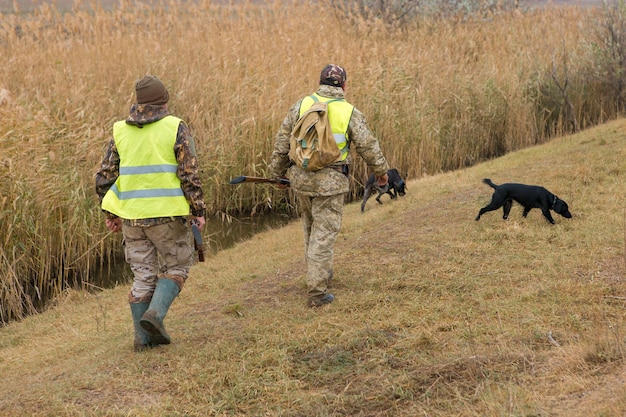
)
(185, 152)
(326, 181)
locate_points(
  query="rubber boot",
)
(152, 320)
(142, 338)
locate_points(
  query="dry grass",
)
(435, 315)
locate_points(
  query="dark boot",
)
(142, 338)
(152, 320)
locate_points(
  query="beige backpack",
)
(312, 145)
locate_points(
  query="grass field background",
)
(435, 314)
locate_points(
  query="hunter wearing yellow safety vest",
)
(148, 186)
(320, 194)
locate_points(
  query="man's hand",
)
(199, 221)
(114, 225)
(382, 180)
(283, 186)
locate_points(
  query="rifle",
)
(197, 240)
(244, 178)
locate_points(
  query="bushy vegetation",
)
(400, 13)
(439, 93)
(605, 70)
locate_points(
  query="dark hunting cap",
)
(333, 75)
(150, 90)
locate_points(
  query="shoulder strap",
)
(315, 99)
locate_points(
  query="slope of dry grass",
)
(435, 314)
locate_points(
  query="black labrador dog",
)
(395, 187)
(529, 196)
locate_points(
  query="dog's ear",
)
(560, 206)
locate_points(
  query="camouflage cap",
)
(333, 75)
(150, 90)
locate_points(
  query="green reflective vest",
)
(339, 114)
(147, 186)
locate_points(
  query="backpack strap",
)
(315, 99)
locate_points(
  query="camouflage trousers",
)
(321, 222)
(158, 251)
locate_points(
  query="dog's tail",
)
(489, 183)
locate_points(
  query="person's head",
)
(333, 75)
(150, 90)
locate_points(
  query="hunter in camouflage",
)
(149, 189)
(320, 194)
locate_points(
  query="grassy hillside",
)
(435, 314)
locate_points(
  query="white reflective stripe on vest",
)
(155, 192)
(340, 139)
(149, 169)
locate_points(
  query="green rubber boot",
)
(142, 338)
(152, 320)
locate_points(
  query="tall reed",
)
(438, 94)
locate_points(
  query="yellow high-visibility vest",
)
(147, 186)
(339, 114)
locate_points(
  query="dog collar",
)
(553, 202)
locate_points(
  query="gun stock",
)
(197, 241)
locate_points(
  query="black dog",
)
(529, 196)
(395, 187)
